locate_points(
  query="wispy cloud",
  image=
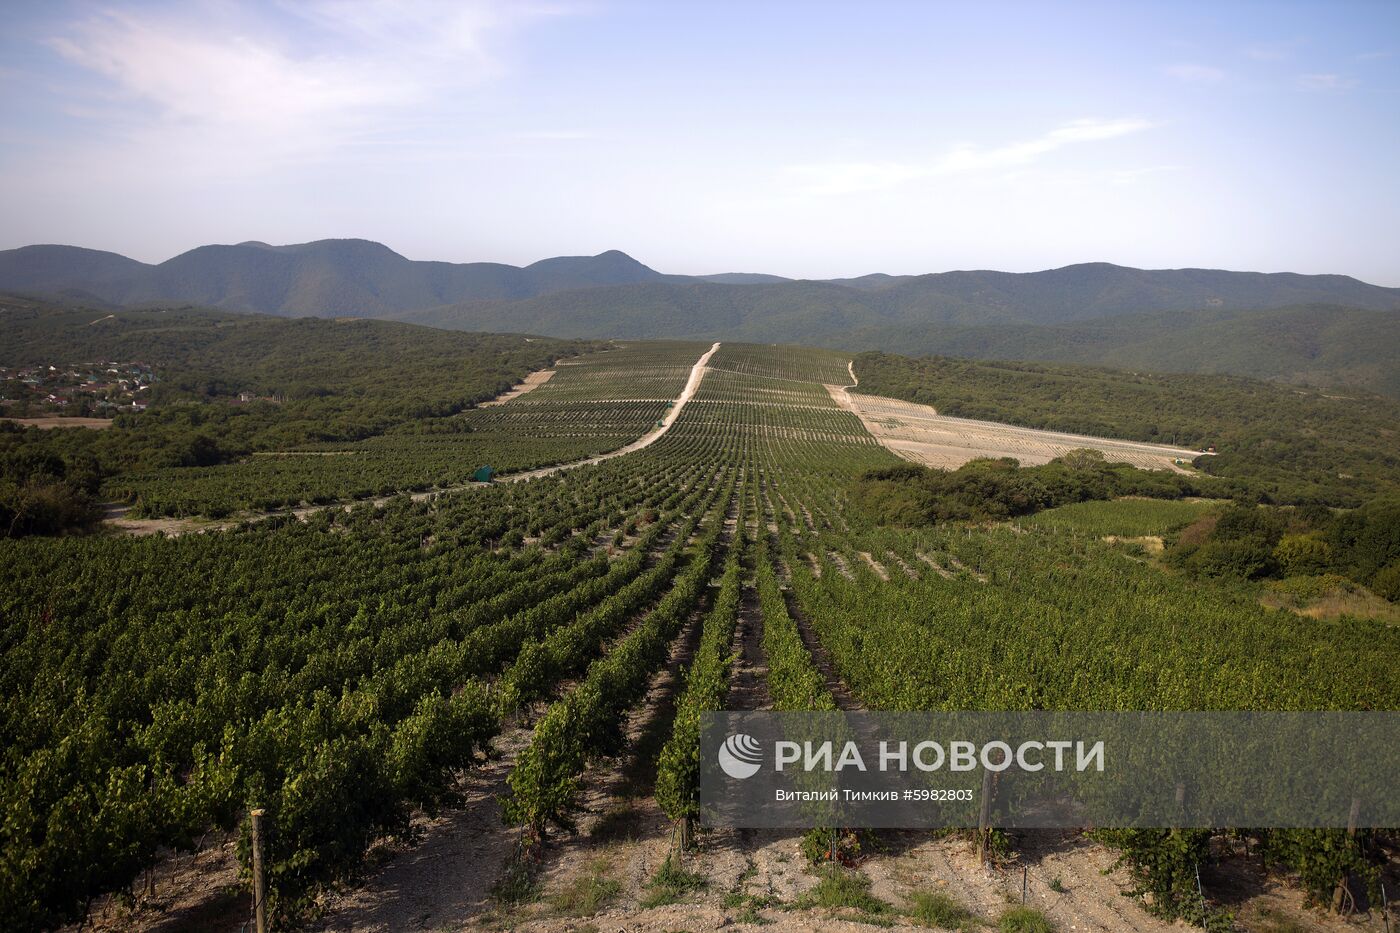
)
(836, 178)
(1131, 176)
(1276, 51)
(207, 77)
(557, 135)
(1379, 55)
(1194, 73)
(1326, 82)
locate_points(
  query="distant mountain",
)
(1336, 329)
(612, 294)
(741, 278)
(1323, 330)
(351, 278)
(811, 311)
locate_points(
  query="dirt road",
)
(697, 372)
(528, 384)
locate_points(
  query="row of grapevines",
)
(706, 684)
(584, 725)
(793, 679)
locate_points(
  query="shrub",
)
(936, 909)
(1303, 554)
(1386, 583)
(1024, 920)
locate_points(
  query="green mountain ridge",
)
(325, 278)
(1329, 330)
(1322, 345)
(604, 293)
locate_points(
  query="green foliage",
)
(1312, 587)
(318, 382)
(330, 671)
(671, 884)
(1367, 540)
(843, 888)
(339, 671)
(1308, 545)
(1324, 858)
(1302, 554)
(584, 725)
(1245, 558)
(793, 679)
(42, 491)
(1122, 517)
(1321, 345)
(1386, 583)
(1164, 864)
(1024, 920)
(1093, 313)
(825, 845)
(589, 893)
(992, 490)
(706, 683)
(939, 910)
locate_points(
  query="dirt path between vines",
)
(446, 879)
(697, 373)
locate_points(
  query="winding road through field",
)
(116, 514)
(697, 372)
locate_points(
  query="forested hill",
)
(328, 278)
(199, 353)
(225, 387)
(612, 294)
(814, 311)
(1322, 345)
(1328, 330)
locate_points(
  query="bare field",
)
(532, 381)
(919, 433)
(49, 422)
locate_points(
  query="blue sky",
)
(812, 139)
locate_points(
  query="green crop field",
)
(1126, 517)
(343, 669)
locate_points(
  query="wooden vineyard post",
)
(259, 888)
(984, 816)
(685, 834)
(1349, 886)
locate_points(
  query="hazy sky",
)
(803, 139)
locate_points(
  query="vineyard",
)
(348, 671)
(596, 403)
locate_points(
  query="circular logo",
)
(740, 756)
